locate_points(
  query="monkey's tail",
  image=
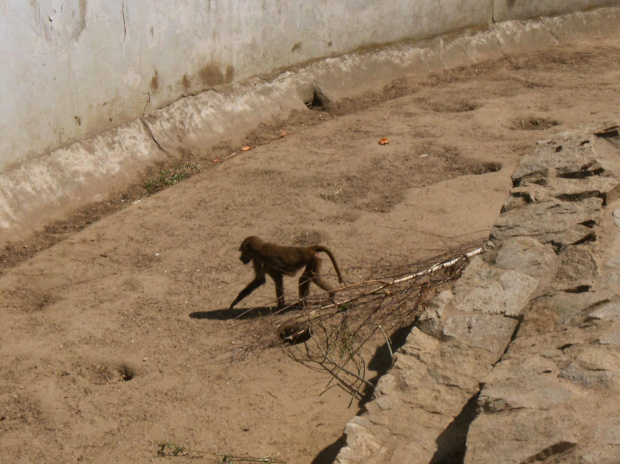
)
(331, 256)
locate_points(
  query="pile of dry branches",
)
(330, 336)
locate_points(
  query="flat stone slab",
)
(551, 221)
(607, 188)
(526, 255)
(507, 294)
(488, 331)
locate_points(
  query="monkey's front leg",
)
(257, 282)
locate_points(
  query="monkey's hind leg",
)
(304, 283)
(279, 282)
(311, 274)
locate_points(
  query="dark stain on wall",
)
(296, 47)
(80, 24)
(511, 3)
(187, 83)
(210, 75)
(155, 82)
(230, 74)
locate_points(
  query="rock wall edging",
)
(521, 358)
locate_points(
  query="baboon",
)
(277, 261)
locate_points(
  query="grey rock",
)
(586, 377)
(567, 307)
(607, 148)
(513, 367)
(362, 442)
(418, 345)
(607, 312)
(577, 267)
(527, 256)
(518, 437)
(551, 221)
(536, 392)
(574, 235)
(487, 288)
(531, 192)
(606, 188)
(610, 337)
(430, 320)
(570, 157)
(513, 202)
(460, 364)
(504, 292)
(487, 331)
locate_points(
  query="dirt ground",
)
(116, 339)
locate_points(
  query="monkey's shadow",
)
(243, 313)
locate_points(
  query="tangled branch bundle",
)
(331, 336)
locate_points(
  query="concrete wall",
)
(112, 75)
(505, 10)
(74, 68)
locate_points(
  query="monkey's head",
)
(248, 249)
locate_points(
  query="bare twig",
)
(387, 342)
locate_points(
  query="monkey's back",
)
(286, 259)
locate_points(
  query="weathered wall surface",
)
(521, 358)
(74, 68)
(134, 82)
(505, 10)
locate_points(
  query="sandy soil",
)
(116, 339)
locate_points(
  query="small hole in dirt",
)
(491, 167)
(294, 334)
(485, 168)
(534, 123)
(564, 347)
(558, 149)
(460, 107)
(453, 106)
(126, 373)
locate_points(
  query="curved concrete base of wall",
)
(48, 186)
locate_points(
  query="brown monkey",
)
(277, 261)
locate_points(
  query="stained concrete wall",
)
(505, 10)
(74, 68)
(111, 75)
